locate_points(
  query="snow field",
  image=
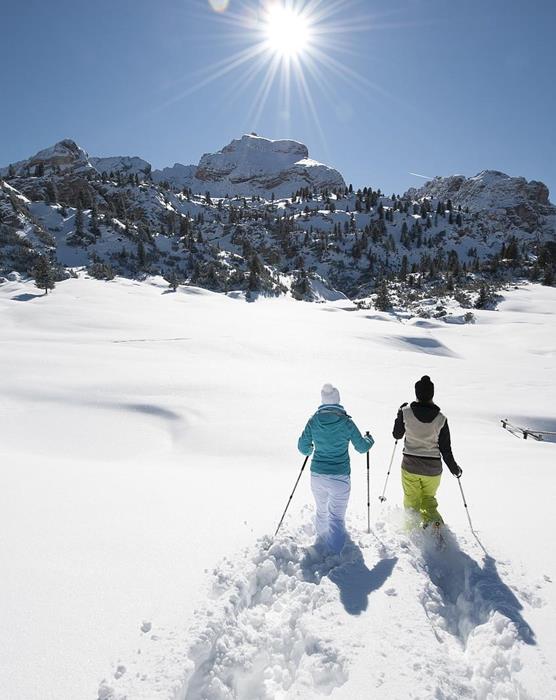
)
(272, 627)
(146, 436)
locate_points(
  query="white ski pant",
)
(331, 494)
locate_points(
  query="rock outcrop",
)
(254, 165)
(525, 203)
(63, 156)
(126, 165)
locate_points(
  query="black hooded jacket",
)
(426, 413)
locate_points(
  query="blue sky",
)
(434, 87)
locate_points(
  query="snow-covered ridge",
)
(176, 175)
(489, 190)
(248, 166)
(129, 165)
(255, 165)
(289, 223)
(64, 155)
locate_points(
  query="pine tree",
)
(79, 223)
(141, 257)
(512, 250)
(382, 301)
(255, 272)
(301, 286)
(548, 279)
(44, 274)
(174, 279)
(51, 192)
(93, 224)
(483, 298)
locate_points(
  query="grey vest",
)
(421, 439)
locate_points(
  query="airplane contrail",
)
(425, 177)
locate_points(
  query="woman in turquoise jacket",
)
(327, 436)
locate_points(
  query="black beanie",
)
(424, 389)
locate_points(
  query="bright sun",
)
(287, 31)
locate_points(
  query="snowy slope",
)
(148, 450)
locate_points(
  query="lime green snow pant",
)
(419, 495)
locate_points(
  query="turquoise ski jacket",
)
(329, 432)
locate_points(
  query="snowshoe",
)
(435, 530)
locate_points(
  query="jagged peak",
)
(63, 155)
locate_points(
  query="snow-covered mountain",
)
(320, 240)
(63, 156)
(254, 165)
(127, 165)
(491, 190)
(248, 166)
(177, 175)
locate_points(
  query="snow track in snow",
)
(476, 615)
(255, 638)
(273, 628)
(260, 642)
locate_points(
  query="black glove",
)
(457, 471)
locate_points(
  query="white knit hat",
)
(329, 394)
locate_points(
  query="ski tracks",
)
(445, 627)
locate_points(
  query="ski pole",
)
(469, 517)
(383, 497)
(368, 492)
(291, 496)
(465, 505)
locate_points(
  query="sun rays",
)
(290, 50)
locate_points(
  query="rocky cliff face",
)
(248, 166)
(254, 165)
(493, 193)
(63, 156)
(64, 168)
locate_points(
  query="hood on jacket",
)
(328, 414)
(425, 412)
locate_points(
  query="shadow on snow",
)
(26, 297)
(349, 572)
(471, 593)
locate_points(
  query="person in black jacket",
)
(427, 442)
